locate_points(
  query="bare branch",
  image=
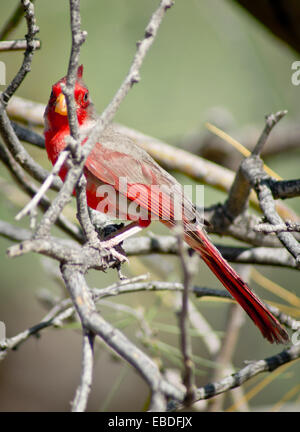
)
(30, 188)
(83, 213)
(26, 111)
(252, 168)
(212, 147)
(288, 226)
(133, 74)
(185, 341)
(242, 228)
(64, 309)
(81, 398)
(45, 186)
(173, 158)
(271, 121)
(78, 38)
(167, 245)
(91, 320)
(252, 369)
(251, 174)
(13, 21)
(239, 194)
(20, 154)
(6, 129)
(54, 318)
(17, 45)
(30, 49)
(285, 188)
(28, 135)
(243, 375)
(243, 255)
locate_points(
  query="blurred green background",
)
(208, 53)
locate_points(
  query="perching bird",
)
(149, 193)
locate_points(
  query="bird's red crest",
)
(79, 72)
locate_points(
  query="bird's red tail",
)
(257, 311)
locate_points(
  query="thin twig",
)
(31, 189)
(54, 318)
(28, 135)
(285, 188)
(288, 226)
(271, 121)
(81, 398)
(31, 205)
(185, 340)
(17, 45)
(243, 255)
(216, 144)
(243, 375)
(78, 38)
(13, 21)
(239, 194)
(21, 155)
(28, 55)
(252, 168)
(134, 287)
(6, 129)
(83, 213)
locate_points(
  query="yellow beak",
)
(60, 105)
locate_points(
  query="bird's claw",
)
(110, 245)
(119, 256)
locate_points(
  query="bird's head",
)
(56, 114)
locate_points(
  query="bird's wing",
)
(117, 157)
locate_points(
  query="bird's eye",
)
(85, 96)
(52, 94)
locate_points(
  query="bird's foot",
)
(112, 243)
(114, 249)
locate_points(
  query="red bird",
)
(150, 191)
